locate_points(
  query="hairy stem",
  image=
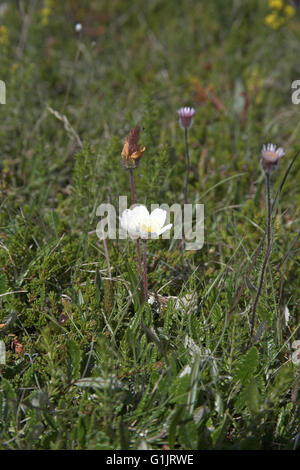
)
(132, 186)
(138, 248)
(267, 255)
(187, 174)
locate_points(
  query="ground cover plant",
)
(203, 353)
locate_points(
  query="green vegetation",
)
(87, 365)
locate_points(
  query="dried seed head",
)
(270, 157)
(186, 117)
(132, 151)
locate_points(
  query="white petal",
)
(129, 224)
(164, 229)
(158, 218)
(280, 152)
(125, 218)
(141, 215)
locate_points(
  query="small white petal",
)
(124, 219)
(141, 214)
(164, 229)
(158, 217)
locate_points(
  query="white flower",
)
(272, 154)
(270, 157)
(140, 224)
(78, 27)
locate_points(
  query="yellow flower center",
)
(146, 228)
(271, 155)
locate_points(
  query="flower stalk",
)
(145, 270)
(267, 255)
(141, 225)
(186, 116)
(188, 168)
(131, 154)
(138, 248)
(269, 161)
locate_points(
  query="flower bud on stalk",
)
(270, 157)
(132, 151)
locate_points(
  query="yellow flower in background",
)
(276, 4)
(289, 11)
(3, 35)
(273, 20)
(280, 13)
(46, 11)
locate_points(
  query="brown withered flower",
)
(132, 151)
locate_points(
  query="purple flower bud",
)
(186, 117)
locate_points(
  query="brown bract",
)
(269, 166)
(132, 151)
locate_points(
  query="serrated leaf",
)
(179, 388)
(247, 366)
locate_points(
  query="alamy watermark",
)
(187, 223)
(296, 94)
(2, 92)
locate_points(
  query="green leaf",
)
(173, 426)
(3, 283)
(247, 366)
(54, 222)
(252, 396)
(134, 287)
(98, 286)
(74, 359)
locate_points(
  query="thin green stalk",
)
(267, 255)
(258, 249)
